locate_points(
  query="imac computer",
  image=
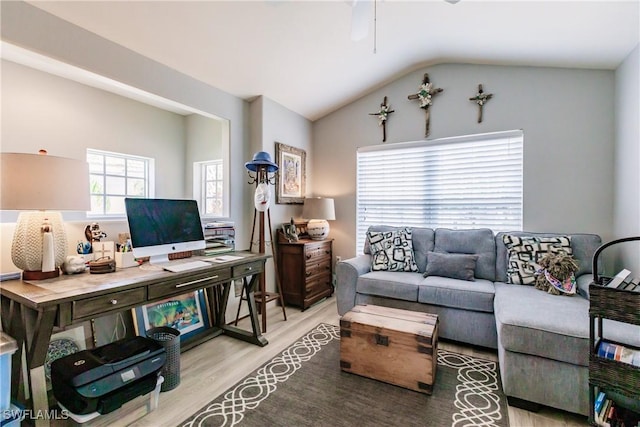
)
(160, 227)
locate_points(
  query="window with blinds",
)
(472, 181)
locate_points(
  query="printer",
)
(104, 378)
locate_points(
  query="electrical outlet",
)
(338, 258)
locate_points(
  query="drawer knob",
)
(308, 256)
(327, 251)
(248, 269)
(113, 301)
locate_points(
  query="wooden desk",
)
(31, 309)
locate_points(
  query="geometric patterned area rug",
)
(304, 386)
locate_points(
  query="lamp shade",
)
(318, 210)
(43, 182)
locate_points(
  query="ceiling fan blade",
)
(360, 18)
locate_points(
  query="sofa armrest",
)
(347, 273)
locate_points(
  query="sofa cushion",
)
(456, 293)
(390, 284)
(525, 252)
(421, 238)
(454, 266)
(531, 321)
(583, 246)
(391, 250)
(479, 242)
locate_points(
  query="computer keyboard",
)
(184, 266)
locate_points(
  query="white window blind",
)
(472, 181)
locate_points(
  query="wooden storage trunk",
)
(387, 344)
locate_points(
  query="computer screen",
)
(159, 227)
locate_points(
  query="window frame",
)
(148, 177)
(200, 186)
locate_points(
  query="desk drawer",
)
(102, 304)
(247, 269)
(173, 287)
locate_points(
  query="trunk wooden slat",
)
(391, 345)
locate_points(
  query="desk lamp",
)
(42, 185)
(318, 210)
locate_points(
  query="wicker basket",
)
(615, 304)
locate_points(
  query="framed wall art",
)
(188, 313)
(290, 177)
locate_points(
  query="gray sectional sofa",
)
(542, 339)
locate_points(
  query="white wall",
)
(568, 123)
(40, 110)
(33, 29)
(271, 123)
(627, 160)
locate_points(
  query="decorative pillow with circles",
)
(525, 251)
(392, 250)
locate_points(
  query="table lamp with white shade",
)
(318, 211)
(42, 185)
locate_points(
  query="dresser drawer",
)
(247, 269)
(172, 287)
(318, 285)
(317, 250)
(314, 267)
(100, 305)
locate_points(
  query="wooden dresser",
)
(306, 270)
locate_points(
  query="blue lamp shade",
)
(318, 211)
(261, 158)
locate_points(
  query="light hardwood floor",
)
(210, 368)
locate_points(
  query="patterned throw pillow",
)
(524, 253)
(392, 250)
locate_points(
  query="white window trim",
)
(199, 187)
(150, 179)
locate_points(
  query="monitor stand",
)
(155, 262)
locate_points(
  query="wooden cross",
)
(383, 115)
(481, 98)
(425, 96)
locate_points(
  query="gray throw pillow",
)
(455, 266)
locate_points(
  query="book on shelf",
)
(599, 402)
(607, 413)
(609, 350)
(619, 278)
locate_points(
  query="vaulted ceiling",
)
(301, 53)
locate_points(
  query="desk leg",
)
(38, 326)
(255, 337)
(12, 324)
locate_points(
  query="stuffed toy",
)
(557, 274)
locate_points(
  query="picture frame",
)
(291, 174)
(188, 313)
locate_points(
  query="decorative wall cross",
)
(425, 95)
(383, 115)
(481, 98)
